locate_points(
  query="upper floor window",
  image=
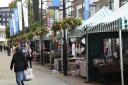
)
(8, 19)
(4, 19)
(3, 14)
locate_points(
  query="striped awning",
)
(104, 27)
(96, 18)
(117, 20)
(75, 33)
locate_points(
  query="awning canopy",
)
(75, 33)
(117, 20)
(71, 34)
(96, 18)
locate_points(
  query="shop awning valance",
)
(75, 33)
(71, 34)
(117, 20)
(96, 18)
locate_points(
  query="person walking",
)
(4, 48)
(1, 48)
(19, 63)
(8, 51)
(29, 57)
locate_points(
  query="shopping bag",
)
(31, 71)
(28, 74)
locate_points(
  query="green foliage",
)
(7, 31)
(20, 33)
(30, 35)
(13, 4)
(69, 23)
(50, 12)
(72, 22)
(41, 31)
(35, 25)
(56, 26)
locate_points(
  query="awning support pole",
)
(87, 73)
(121, 57)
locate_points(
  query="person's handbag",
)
(28, 74)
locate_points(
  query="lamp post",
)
(41, 21)
(41, 40)
(65, 61)
(30, 16)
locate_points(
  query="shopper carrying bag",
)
(19, 63)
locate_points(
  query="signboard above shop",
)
(55, 4)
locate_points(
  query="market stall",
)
(74, 39)
(114, 26)
(77, 59)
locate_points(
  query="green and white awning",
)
(117, 20)
(96, 18)
(75, 33)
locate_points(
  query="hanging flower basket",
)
(72, 23)
(57, 25)
(41, 31)
(30, 35)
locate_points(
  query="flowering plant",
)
(69, 23)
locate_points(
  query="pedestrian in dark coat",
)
(29, 57)
(19, 63)
(4, 47)
(8, 51)
(1, 48)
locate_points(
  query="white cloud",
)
(4, 3)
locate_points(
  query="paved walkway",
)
(43, 76)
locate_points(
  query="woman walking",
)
(19, 63)
(29, 57)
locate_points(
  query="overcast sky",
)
(4, 3)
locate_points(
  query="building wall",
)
(2, 34)
(77, 8)
(97, 5)
(49, 3)
(5, 14)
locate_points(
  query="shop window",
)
(3, 14)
